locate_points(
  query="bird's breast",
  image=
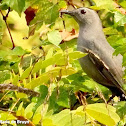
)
(85, 43)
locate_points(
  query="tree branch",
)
(19, 89)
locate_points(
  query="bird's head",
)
(82, 15)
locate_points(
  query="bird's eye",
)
(83, 11)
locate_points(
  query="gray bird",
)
(100, 64)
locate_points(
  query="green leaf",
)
(43, 90)
(62, 4)
(121, 109)
(110, 31)
(68, 57)
(3, 54)
(104, 4)
(37, 66)
(124, 59)
(60, 58)
(54, 37)
(26, 73)
(20, 111)
(47, 12)
(123, 3)
(42, 64)
(120, 49)
(62, 118)
(20, 95)
(80, 111)
(19, 51)
(3, 6)
(36, 118)
(63, 98)
(49, 54)
(119, 18)
(52, 74)
(48, 122)
(52, 13)
(4, 116)
(68, 118)
(113, 40)
(103, 113)
(28, 111)
(4, 75)
(15, 79)
(17, 5)
(39, 109)
(70, 23)
(53, 101)
(76, 55)
(83, 85)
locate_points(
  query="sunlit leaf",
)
(26, 73)
(67, 118)
(36, 118)
(54, 37)
(105, 114)
(28, 110)
(62, 4)
(20, 111)
(123, 3)
(106, 4)
(57, 71)
(4, 116)
(120, 19)
(20, 95)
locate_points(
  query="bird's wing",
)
(104, 69)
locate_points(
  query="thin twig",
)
(4, 96)
(13, 45)
(70, 2)
(5, 20)
(14, 105)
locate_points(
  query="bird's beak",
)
(66, 12)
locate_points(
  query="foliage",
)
(38, 52)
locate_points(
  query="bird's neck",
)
(94, 25)
(88, 34)
(91, 29)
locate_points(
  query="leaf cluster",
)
(38, 52)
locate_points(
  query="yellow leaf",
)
(103, 113)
